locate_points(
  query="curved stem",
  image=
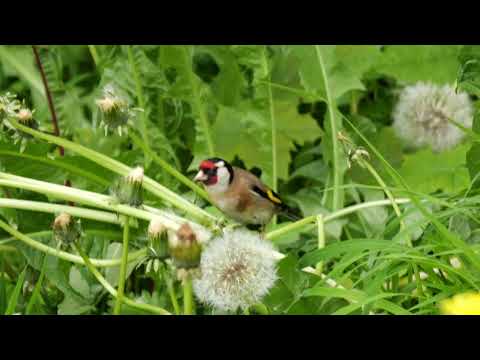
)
(97, 215)
(87, 198)
(65, 255)
(337, 178)
(123, 267)
(386, 190)
(111, 290)
(168, 168)
(335, 215)
(119, 168)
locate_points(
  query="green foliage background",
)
(244, 104)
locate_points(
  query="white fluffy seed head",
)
(237, 270)
(421, 116)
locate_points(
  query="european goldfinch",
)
(239, 194)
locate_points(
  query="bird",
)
(239, 194)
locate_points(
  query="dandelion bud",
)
(158, 242)
(423, 114)
(114, 110)
(237, 271)
(358, 155)
(184, 248)
(128, 190)
(65, 229)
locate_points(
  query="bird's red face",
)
(215, 173)
(207, 173)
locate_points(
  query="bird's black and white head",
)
(216, 174)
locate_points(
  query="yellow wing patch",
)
(273, 197)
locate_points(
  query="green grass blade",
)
(12, 303)
(36, 291)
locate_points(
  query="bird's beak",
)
(201, 176)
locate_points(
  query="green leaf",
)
(78, 282)
(18, 60)
(36, 291)
(469, 74)
(406, 63)
(114, 251)
(427, 172)
(246, 134)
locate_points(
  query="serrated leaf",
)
(428, 172)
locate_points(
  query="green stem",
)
(386, 190)
(168, 168)
(321, 240)
(187, 296)
(173, 297)
(96, 215)
(84, 197)
(337, 178)
(293, 90)
(94, 54)
(111, 290)
(140, 97)
(272, 120)
(198, 104)
(65, 255)
(119, 168)
(123, 268)
(335, 215)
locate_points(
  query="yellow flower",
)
(462, 304)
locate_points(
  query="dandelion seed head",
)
(237, 271)
(422, 114)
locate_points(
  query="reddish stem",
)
(51, 107)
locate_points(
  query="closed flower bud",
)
(114, 110)
(66, 230)
(184, 247)
(157, 236)
(128, 190)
